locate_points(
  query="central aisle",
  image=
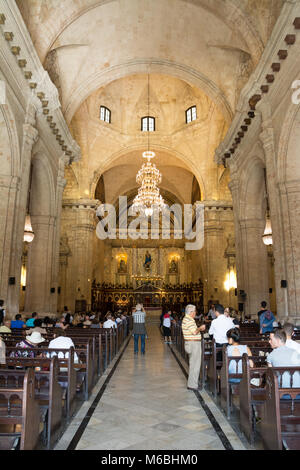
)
(146, 405)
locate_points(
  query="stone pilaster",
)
(213, 255)
(255, 264)
(80, 268)
(30, 137)
(290, 206)
(278, 227)
(39, 269)
(8, 194)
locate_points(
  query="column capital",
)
(82, 203)
(30, 134)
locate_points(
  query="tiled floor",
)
(146, 406)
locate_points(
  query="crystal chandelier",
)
(148, 196)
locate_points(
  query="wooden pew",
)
(280, 427)
(213, 367)
(252, 397)
(19, 406)
(206, 352)
(228, 389)
(48, 391)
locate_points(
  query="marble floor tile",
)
(146, 406)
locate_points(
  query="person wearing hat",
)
(139, 328)
(30, 342)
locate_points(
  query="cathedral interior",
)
(211, 87)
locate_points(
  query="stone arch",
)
(147, 66)
(108, 162)
(227, 10)
(9, 143)
(252, 203)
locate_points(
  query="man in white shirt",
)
(109, 323)
(289, 330)
(220, 326)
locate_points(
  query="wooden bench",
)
(20, 408)
(252, 397)
(280, 427)
(228, 388)
(48, 391)
(215, 363)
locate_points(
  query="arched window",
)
(148, 124)
(191, 114)
(105, 114)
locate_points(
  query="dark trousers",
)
(136, 343)
(219, 353)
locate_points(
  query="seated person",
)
(31, 341)
(61, 341)
(61, 324)
(47, 322)
(30, 322)
(95, 324)
(109, 323)
(234, 348)
(87, 321)
(5, 327)
(289, 331)
(283, 356)
(18, 322)
(38, 327)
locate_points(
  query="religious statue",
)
(147, 263)
(173, 266)
(122, 266)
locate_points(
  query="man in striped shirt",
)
(192, 346)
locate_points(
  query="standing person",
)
(167, 319)
(266, 320)
(192, 345)
(263, 309)
(212, 313)
(139, 328)
(220, 326)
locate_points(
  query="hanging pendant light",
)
(148, 197)
(28, 232)
(267, 236)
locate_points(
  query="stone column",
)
(81, 245)
(214, 263)
(279, 229)
(30, 136)
(290, 206)
(255, 264)
(39, 270)
(60, 185)
(8, 195)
